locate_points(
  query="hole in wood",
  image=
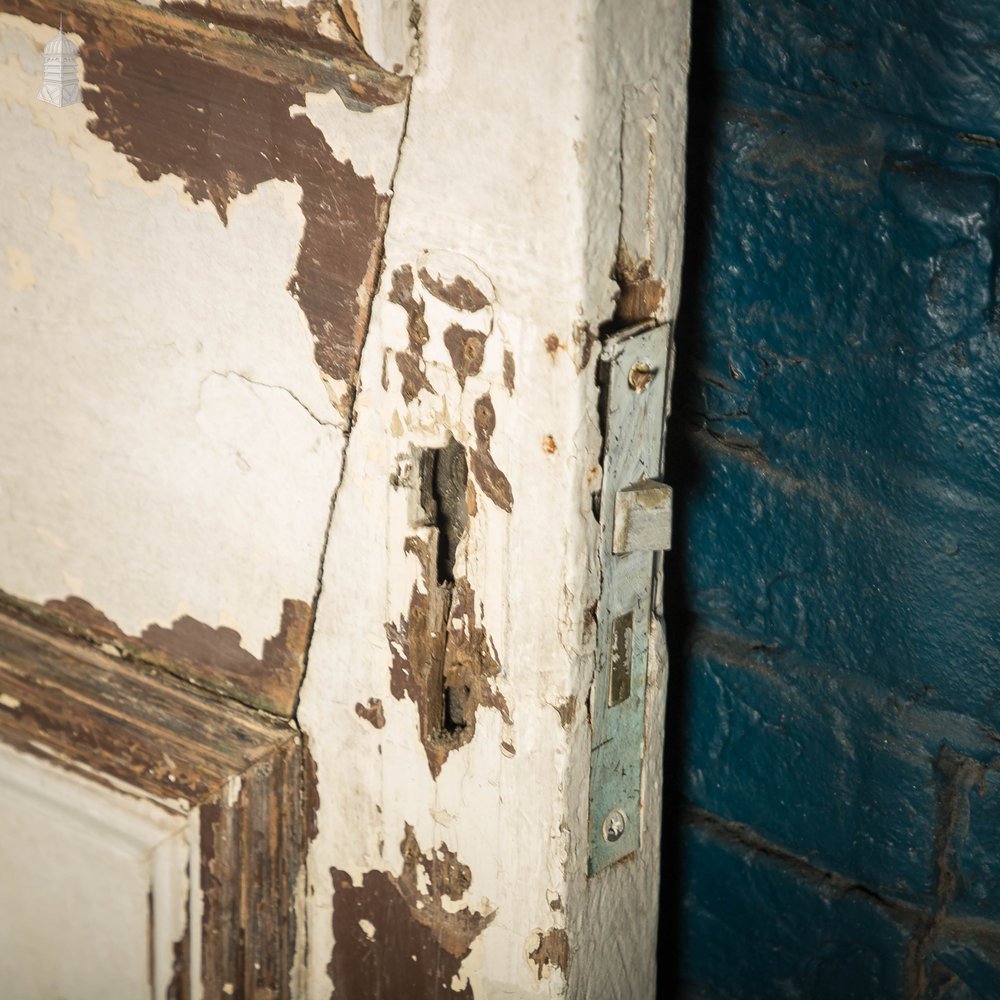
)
(444, 477)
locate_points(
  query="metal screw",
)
(640, 376)
(613, 826)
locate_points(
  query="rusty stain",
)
(552, 345)
(490, 479)
(466, 348)
(175, 98)
(372, 712)
(567, 711)
(584, 339)
(508, 371)
(640, 377)
(549, 444)
(418, 943)
(552, 951)
(443, 661)
(411, 361)
(640, 294)
(460, 293)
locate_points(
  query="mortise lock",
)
(635, 513)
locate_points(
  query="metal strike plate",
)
(643, 513)
(635, 523)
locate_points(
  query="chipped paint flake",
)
(443, 661)
(396, 936)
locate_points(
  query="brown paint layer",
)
(87, 618)
(567, 711)
(257, 46)
(310, 790)
(179, 981)
(176, 98)
(130, 722)
(373, 712)
(459, 293)
(271, 20)
(466, 348)
(552, 950)
(488, 476)
(411, 361)
(351, 19)
(252, 851)
(211, 657)
(418, 945)
(217, 657)
(443, 661)
(509, 371)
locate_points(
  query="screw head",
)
(641, 375)
(613, 826)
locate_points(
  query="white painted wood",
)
(513, 163)
(161, 405)
(81, 865)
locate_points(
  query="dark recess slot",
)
(455, 699)
(443, 482)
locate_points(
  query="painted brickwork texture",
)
(838, 547)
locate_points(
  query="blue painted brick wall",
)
(835, 446)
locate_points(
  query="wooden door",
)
(190, 257)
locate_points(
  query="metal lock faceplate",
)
(635, 523)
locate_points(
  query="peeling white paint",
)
(369, 141)
(388, 33)
(510, 166)
(162, 479)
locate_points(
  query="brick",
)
(755, 928)
(977, 857)
(786, 565)
(821, 772)
(965, 966)
(930, 61)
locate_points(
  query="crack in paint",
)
(268, 385)
(353, 411)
